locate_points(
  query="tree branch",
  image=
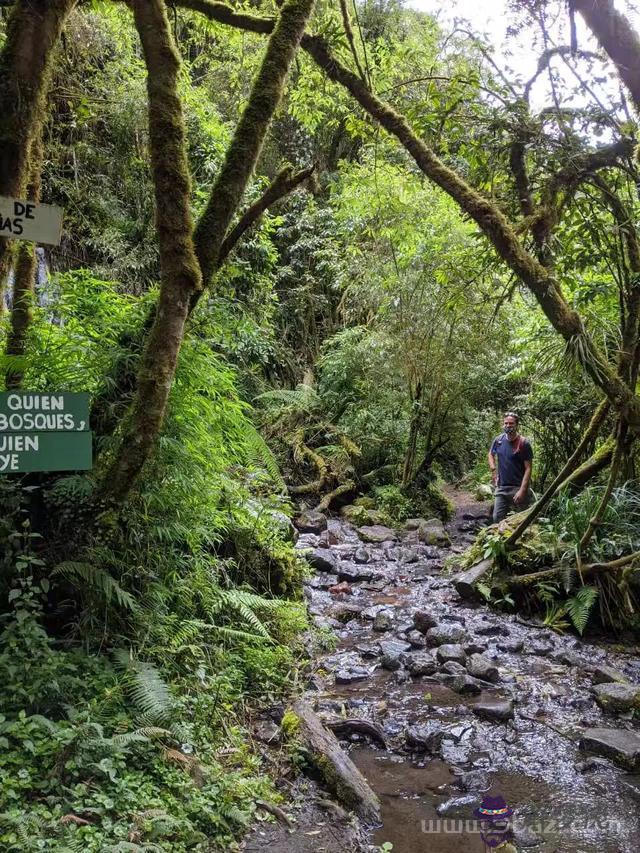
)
(284, 183)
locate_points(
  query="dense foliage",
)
(362, 338)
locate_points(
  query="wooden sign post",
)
(44, 432)
(26, 220)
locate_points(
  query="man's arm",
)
(491, 459)
(524, 486)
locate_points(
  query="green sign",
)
(44, 432)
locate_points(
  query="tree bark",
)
(186, 261)
(24, 284)
(489, 218)
(617, 37)
(180, 273)
(33, 32)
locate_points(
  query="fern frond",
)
(258, 453)
(97, 582)
(145, 686)
(579, 607)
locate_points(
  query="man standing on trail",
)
(510, 463)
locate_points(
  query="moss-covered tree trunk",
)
(617, 37)
(183, 271)
(33, 32)
(24, 283)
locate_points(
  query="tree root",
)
(333, 495)
(358, 725)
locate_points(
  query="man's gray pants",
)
(504, 502)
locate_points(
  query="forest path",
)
(481, 705)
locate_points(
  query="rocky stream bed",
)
(464, 702)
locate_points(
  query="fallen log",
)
(465, 583)
(338, 772)
(357, 724)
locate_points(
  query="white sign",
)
(26, 220)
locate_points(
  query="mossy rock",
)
(360, 516)
(365, 501)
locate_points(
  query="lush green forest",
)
(311, 253)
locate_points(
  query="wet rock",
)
(495, 710)
(461, 683)
(481, 667)
(607, 675)
(390, 662)
(426, 738)
(451, 651)
(393, 647)
(401, 676)
(354, 574)
(368, 650)
(592, 763)
(330, 538)
(414, 523)
(473, 780)
(432, 532)
(311, 521)
(421, 664)
(408, 555)
(323, 560)
(580, 703)
(416, 639)
(345, 612)
(326, 623)
(491, 629)
(376, 533)
(341, 589)
(620, 745)
(512, 646)
(568, 658)
(452, 667)
(423, 621)
(350, 676)
(444, 634)
(323, 581)
(617, 697)
(475, 648)
(359, 515)
(267, 731)
(457, 805)
(362, 556)
(372, 612)
(524, 836)
(382, 621)
(542, 648)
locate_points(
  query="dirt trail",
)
(500, 709)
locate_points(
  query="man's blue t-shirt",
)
(511, 458)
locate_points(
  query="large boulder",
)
(311, 521)
(444, 633)
(495, 710)
(614, 696)
(451, 651)
(359, 515)
(422, 621)
(432, 532)
(421, 664)
(620, 745)
(426, 738)
(481, 667)
(376, 533)
(323, 560)
(608, 675)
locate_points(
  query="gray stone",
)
(409, 555)
(432, 532)
(368, 650)
(353, 574)
(425, 738)
(321, 581)
(323, 560)
(451, 651)
(490, 629)
(594, 762)
(393, 647)
(390, 662)
(457, 805)
(473, 780)
(461, 683)
(267, 731)
(416, 639)
(475, 648)
(542, 648)
(512, 646)
(495, 710)
(524, 836)
(382, 621)
(376, 533)
(414, 523)
(421, 664)
(613, 696)
(607, 675)
(311, 521)
(423, 621)
(362, 556)
(452, 667)
(349, 676)
(444, 634)
(344, 612)
(620, 745)
(481, 667)
(568, 658)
